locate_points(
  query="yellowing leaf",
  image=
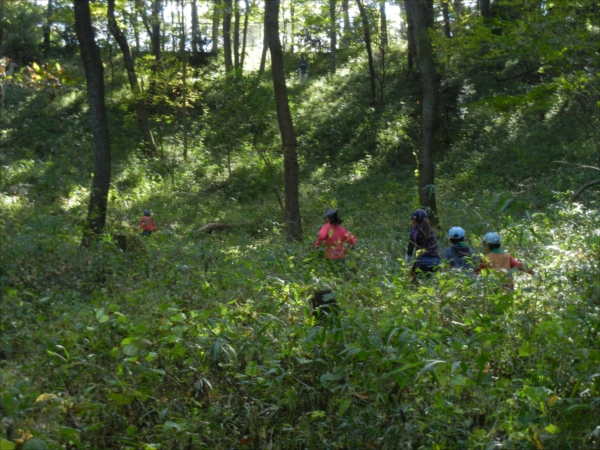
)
(45, 397)
(552, 400)
(361, 395)
(552, 429)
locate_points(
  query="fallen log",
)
(210, 227)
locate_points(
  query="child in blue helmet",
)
(422, 244)
(459, 255)
(499, 261)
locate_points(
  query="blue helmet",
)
(456, 233)
(147, 212)
(419, 215)
(492, 238)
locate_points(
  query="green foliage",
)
(203, 340)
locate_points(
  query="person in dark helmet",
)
(147, 224)
(336, 238)
(459, 255)
(500, 261)
(422, 245)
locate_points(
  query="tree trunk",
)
(96, 218)
(155, 35)
(403, 34)
(410, 34)
(263, 57)
(332, 35)
(384, 31)
(132, 18)
(346, 35)
(245, 33)
(196, 36)
(215, 26)
(292, 27)
(236, 36)
(286, 126)
(47, 25)
(227, 34)
(142, 112)
(484, 10)
(446, 15)
(429, 106)
(183, 83)
(367, 31)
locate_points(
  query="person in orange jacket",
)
(500, 261)
(147, 224)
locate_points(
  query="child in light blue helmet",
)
(459, 255)
(499, 261)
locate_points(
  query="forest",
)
(166, 167)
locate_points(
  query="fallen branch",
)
(577, 165)
(583, 188)
(210, 227)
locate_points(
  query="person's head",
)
(303, 57)
(492, 240)
(147, 212)
(456, 235)
(332, 216)
(419, 216)
(421, 221)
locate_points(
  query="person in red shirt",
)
(336, 238)
(147, 224)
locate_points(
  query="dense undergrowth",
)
(191, 340)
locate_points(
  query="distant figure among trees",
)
(303, 69)
(147, 224)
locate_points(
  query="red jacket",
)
(335, 236)
(147, 224)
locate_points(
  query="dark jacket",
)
(460, 256)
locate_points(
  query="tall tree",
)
(384, 28)
(227, 13)
(367, 32)
(216, 20)
(346, 14)
(410, 35)
(332, 35)
(429, 104)
(196, 36)
(265, 49)
(140, 103)
(446, 16)
(485, 10)
(155, 36)
(245, 32)
(183, 81)
(94, 75)
(47, 25)
(286, 125)
(236, 35)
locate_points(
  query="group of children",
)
(423, 249)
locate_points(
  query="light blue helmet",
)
(456, 233)
(492, 238)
